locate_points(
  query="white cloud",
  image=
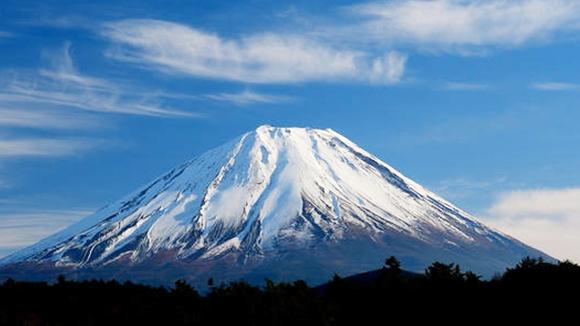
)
(248, 97)
(556, 86)
(21, 229)
(42, 147)
(45, 118)
(463, 187)
(459, 23)
(64, 86)
(59, 21)
(461, 86)
(356, 47)
(259, 58)
(389, 69)
(548, 219)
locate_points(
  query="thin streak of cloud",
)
(248, 97)
(464, 187)
(462, 86)
(556, 86)
(60, 22)
(43, 147)
(20, 229)
(43, 118)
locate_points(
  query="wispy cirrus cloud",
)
(546, 218)
(62, 85)
(258, 58)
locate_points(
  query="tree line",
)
(531, 291)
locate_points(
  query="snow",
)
(265, 180)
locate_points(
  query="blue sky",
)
(477, 100)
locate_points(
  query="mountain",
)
(283, 203)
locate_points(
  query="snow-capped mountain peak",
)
(273, 192)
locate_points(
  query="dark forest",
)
(533, 289)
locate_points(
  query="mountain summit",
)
(283, 203)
